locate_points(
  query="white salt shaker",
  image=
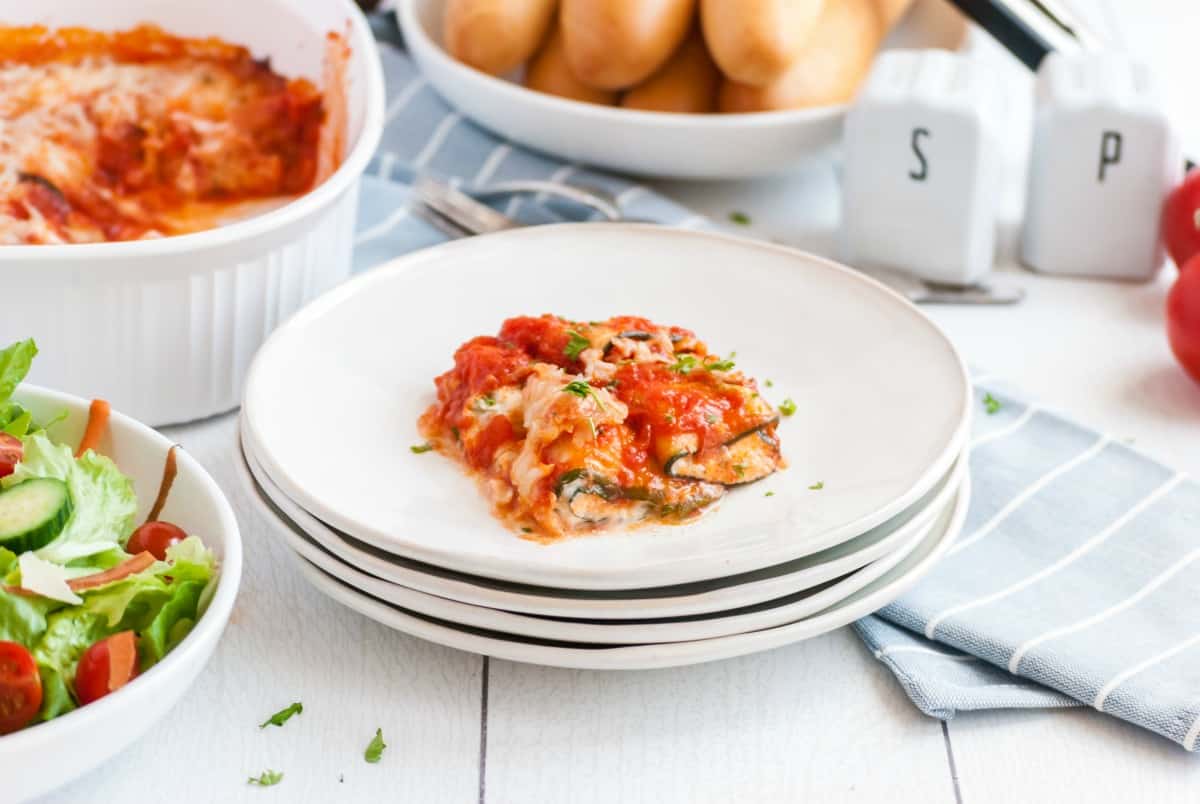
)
(923, 168)
(1104, 159)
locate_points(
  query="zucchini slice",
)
(33, 513)
(749, 457)
(684, 499)
(595, 499)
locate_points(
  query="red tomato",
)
(1183, 318)
(11, 453)
(20, 687)
(106, 666)
(155, 538)
(1181, 220)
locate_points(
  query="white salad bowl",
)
(43, 757)
(164, 329)
(685, 146)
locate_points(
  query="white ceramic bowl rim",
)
(213, 619)
(316, 199)
(414, 29)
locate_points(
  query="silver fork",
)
(456, 214)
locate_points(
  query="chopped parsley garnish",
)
(721, 365)
(454, 432)
(820, 484)
(266, 778)
(575, 345)
(583, 390)
(710, 418)
(613, 383)
(417, 449)
(740, 218)
(282, 716)
(488, 400)
(739, 469)
(787, 407)
(991, 403)
(685, 364)
(375, 748)
(669, 418)
(769, 494)
(578, 387)
(527, 530)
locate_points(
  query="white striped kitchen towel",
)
(1076, 581)
(1077, 577)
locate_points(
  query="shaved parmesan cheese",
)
(46, 579)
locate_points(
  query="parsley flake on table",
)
(769, 494)
(417, 449)
(770, 384)
(375, 748)
(820, 484)
(740, 218)
(787, 407)
(575, 345)
(283, 715)
(990, 403)
(266, 778)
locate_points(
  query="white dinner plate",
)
(882, 397)
(871, 598)
(611, 632)
(650, 143)
(785, 609)
(703, 597)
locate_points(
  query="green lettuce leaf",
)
(56, 695)
(105, 505)
(15, 361)
(161, 604)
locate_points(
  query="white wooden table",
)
(817, 721)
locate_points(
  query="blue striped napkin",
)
(1076, 578)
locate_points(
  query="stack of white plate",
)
(875, 492)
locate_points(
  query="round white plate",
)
(882, 397)
(704, 597)
(40, 758)
(871, 598)
(612, 632)
(650, 143)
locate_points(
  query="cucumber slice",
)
(33, 513)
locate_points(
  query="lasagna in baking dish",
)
(574, 427)
(139, 134)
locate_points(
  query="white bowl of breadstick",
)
(697, 89)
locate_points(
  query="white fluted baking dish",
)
(165, 329)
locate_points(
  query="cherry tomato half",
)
(1181, 220)
(155, 538)
(20, 687)
(106, 666)
(1183, 318)
(11, 453)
